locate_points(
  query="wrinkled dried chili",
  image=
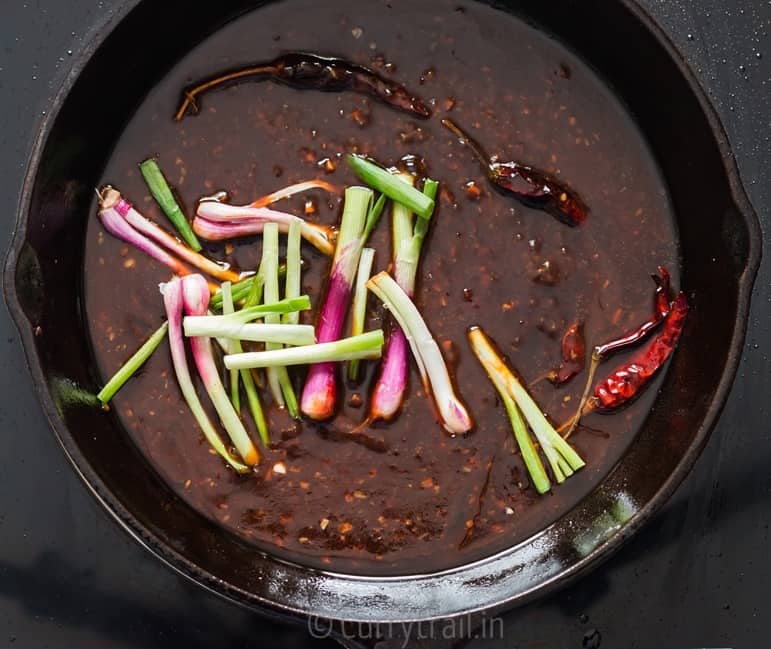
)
(530, 186)
(308, 71)
(627, 380)
(661, 307)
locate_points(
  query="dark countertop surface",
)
(697, 576)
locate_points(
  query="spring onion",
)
(279, 334)
(366, 346)
(359, 310)
(163, 195)
(390, 185)
(228, 309)
(320, 392)
(498, 372)
(173, 301)
(216, 220)
(111, 198)
(130, 367)
(278, 377)
(195, 296)
(292, 285)
(391, 385)
(194, 324)
(252, 398)
(242, 289)
(563, 459)
(117, 227)
(433, 370)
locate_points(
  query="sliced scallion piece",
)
(278, 334)
(562, 458)
(319, 395)
(241, 288)
(390, 185)
(173, 302)
(359, 310)
(252, 397)
(195, 296)
(366, 346)
(130, 367)
(228, 309)
(194, 325)
(433, 370)
(162, 193)
(407, 236)
(293, 268)
(278, 377)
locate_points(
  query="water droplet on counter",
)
(689, 37)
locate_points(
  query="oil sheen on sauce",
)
(397, 498)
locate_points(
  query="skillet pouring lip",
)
(470, 592)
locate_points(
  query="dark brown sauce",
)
(398, 498)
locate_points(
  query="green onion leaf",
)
(162, 193)
(387, 183)
(130, 367)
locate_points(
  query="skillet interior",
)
(718, 239)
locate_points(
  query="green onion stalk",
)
(173, 302)
(562, 458)
(319, 395)
(161, 192)
(278, 377)
(453, 414)
(408, 235)
(252, 397)
(132, 365)
(366, 346)
(195, 297)
(359, 310)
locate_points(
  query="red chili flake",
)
(473, 191)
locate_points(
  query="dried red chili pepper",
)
(661, 308)
(530, 186)
(573, 355)
(312, 72)
(662, 311)
(626, 381)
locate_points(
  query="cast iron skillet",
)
(720, 242)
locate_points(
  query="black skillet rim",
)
(375, 585)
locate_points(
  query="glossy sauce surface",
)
(404, 497)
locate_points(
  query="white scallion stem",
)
(365, 346)
(293, 267)
(359, 311)
(195, 294)
(172, 298)
(562, 458)
(280, 334)
(455, 418)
